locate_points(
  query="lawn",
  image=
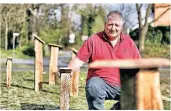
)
(21, 94)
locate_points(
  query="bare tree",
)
(142, 27)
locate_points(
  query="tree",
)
(142, 27)
(12, 15)
(99, 19)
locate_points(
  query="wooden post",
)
(53, 64)
(140, 82)
(149, 95)
(9, 70)
(38, 63)
(65, 74)
(74, 78)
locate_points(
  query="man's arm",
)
(75, 64)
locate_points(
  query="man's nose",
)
(113, 27)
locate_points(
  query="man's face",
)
(113, 26)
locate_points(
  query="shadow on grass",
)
(14, 85)
(26, 106)
(31, 80)
(2, 84)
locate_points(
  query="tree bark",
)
(142, 37)
(6, 34)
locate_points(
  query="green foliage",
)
(50, 35)
(166, 38)
(13, 53)
(155, 35)
(99, 24)
(156, 50)
(28, 50)
(84, 25)
(23, 33)
(135, 34)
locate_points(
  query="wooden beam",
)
(9, 70)
(65, 74)
(75, 78)
(140, 82)
(55, 45)
(53, 64)
(132, 63)
(38, 63)
(39, 39)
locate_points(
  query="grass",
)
(165, 89)
(21, 94)
(17, 65)
(156, 50)
(10, 53)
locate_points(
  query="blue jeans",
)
(97, 91)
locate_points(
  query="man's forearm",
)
(75, 64)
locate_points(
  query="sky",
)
(129, 13)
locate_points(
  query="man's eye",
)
(110, 24)
(117, 25)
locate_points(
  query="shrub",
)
(28, 50)
(155, 35)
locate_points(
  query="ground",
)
(21, 94)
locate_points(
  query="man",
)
(110, 44)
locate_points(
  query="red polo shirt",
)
(97, 47)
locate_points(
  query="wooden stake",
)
(38, 63)
(9, 70)
(149, 94)
(53, 64)
(65, 74)
(74, 78)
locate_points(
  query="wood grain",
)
(53, 65)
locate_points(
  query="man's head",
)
(114, 24)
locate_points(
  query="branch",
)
(160, 15)
(147, 15)
(139, 14)
(162, 5)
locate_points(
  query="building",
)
(161, 14)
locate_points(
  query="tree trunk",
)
(6, 34)
(142, 27)
(142, 38)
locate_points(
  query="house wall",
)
(162, 14)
